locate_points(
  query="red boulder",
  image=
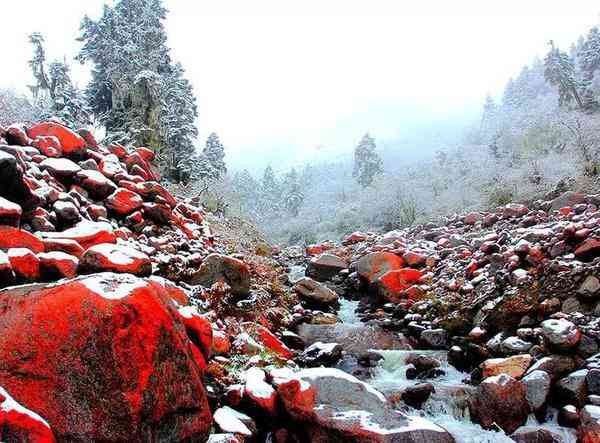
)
(102, 358)
(71, 142)
(115, 258)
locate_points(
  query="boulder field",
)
(128, 313)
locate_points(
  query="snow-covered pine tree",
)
(135, 89)
(270, 192)
(588, 57)
(178, 122)
(215, 153)
(293, 197)
(560, 72)
(367, 163)
(54, 94)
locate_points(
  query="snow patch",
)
(10, 404)
(114, 288)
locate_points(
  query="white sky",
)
(274, 75)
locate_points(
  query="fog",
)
(283, 82)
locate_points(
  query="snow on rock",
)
(333, 404)
(10, 213)
(70, 142)
(94, 345)
(115, 258)
(17, 423)
(232, 421)
(259, 392)
(11, 237)
(25, 264)
(86, 233)
(55, 265)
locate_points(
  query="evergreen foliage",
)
(367, 163)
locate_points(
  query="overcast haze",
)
(274, 76)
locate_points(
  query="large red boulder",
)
(372, 266)
(102, 358)
(71, 142)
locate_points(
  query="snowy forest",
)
(539, 137)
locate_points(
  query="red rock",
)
(499, 393)
(71, 142)
(271, 342)
(394, 282)
(48, 145)
(87, 234)
(19, 424)
(60, 167)
(318, 249)
(55, 265)
(588, 249)
(96, 184)
(10, 213)
(123, 202)
(25, 264)
(374, 265)
(15, 135)
(11, 237)
(198, 329)
(472, 218)
(102, 358)
(90, 140)
(64, 245)
(151, 189)
(110, 166)
(7, 276)
(414, 258)
(115, 258)
(221, 344)
(118, 150)
(355, 237)
(158, 213)
(259, 392)
(145, 153)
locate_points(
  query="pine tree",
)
(215, 153)
(136, 90)
(179, 115)
(270, 191)
(367, 163)
(293, 196)
(560, 72)
(54, 93)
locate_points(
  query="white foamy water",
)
(448, 406)
(347, 313)
(296, 273)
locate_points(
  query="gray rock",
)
(561, 333)
(534, 434)
(537, 388)
(218, 267)
(315, 292)
(334, 406)
(435, 338)
(325, 266)
(572, 389)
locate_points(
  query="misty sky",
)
(274, 76)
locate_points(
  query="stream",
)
(448, 405)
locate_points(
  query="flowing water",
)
(448, 405)
(347, 313)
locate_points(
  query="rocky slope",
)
(129, 314)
